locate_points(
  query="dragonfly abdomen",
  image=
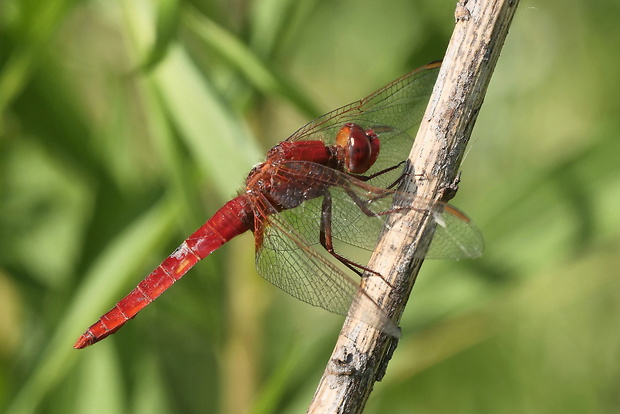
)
(233, 219)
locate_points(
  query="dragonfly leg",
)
(363, 204)
(401, 177)
(379, 173)
(396, 182)
(325, 238)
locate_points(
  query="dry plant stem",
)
(361, 353)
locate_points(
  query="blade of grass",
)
(214, 135)
(101, 286)
(245, 61)
(38, 26)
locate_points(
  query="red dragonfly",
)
(329, 185)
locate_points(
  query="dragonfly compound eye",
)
(361, 148)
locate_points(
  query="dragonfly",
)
(327, 188)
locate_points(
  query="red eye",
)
(361, 148)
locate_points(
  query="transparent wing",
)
(285, 259)
(400, 105)
(359, 211)
(289, 255)
(391, 112)
(456, 236)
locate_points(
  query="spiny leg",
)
(380, 173)
(326, 240)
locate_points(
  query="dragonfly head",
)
(359, 148)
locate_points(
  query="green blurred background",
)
(124, 125)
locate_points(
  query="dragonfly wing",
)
(359, 212)
(391, 112)
(456, 236)
(399, 105)
(308, 273)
